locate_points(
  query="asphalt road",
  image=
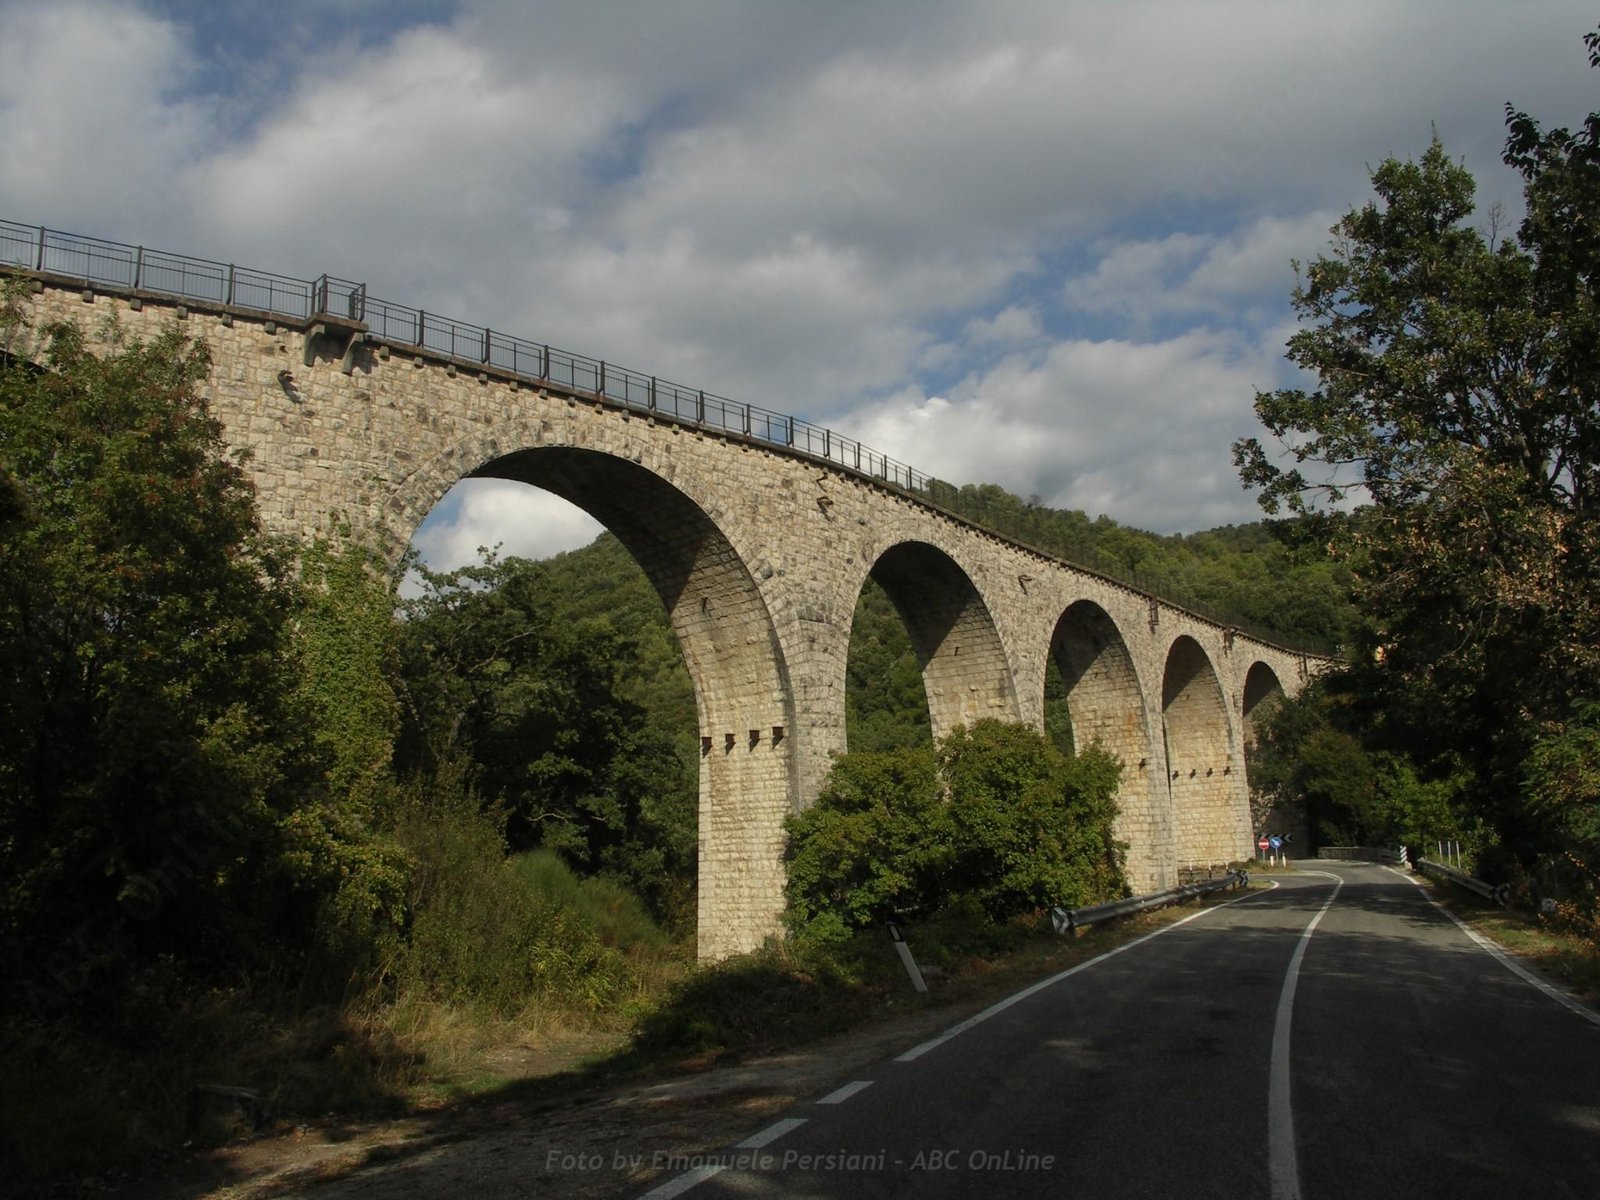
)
(1338, 1036)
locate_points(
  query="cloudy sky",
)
(1041, 244)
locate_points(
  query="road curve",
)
(1339, 1036)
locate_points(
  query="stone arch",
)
(1212, 825)
(1262, 690)
(742, 691)
(1106, 706)
(964, 665)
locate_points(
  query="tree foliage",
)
(1312, 753)
(499, 669)
(1456, 396)
(994, 817)
(146, 740)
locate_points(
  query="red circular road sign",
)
(1263, 844)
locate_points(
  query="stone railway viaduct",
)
(758, 549)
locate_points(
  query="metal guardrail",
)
(1500, 894)
(1066, 920)
(1393, 855)
(95, 262)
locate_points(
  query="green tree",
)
(497, 668)
(1312, 752)
(147, 746)
(1033, 826)
(994, 818)
(886, 701)
(875, 845)
(1455, 394)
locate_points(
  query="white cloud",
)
(512, 519)
(95, 117)
(1228, 276)
(1013, 325)
(834, 210)
(1138, 431)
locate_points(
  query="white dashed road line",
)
(844, 1093)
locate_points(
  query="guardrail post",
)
(486, 347)
(700, 408)
(39, 261)
(601, 389)
(652, 393)
(138, 266)
(544, 364)
(906, 959)
(229, 300)
(422, 325)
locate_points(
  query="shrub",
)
(994, 817)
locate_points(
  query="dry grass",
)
(1563, 955)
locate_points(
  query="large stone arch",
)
(1262, 689)
(1262, 692)
(1106, 705)
(964, 665)
(1213, 825)
(742, 691)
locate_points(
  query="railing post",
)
(486, 347)
(544, 364)
(39, 263)
(601, 390)
(138, 267)
(746, 420)
(700, 409)
(422, 325)
(652, 393)
(229, 300)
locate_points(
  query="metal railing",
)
(1067, 920)
(95, 262)
(1500, 894)
(1394, 856)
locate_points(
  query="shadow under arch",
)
(1212, 823)
(1106, 706)
(741, 686)
(1262, 690)
(965, 670)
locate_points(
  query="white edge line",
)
(1510, 964)
(1283, 1159)
(917, 1052)
(844, 1093)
